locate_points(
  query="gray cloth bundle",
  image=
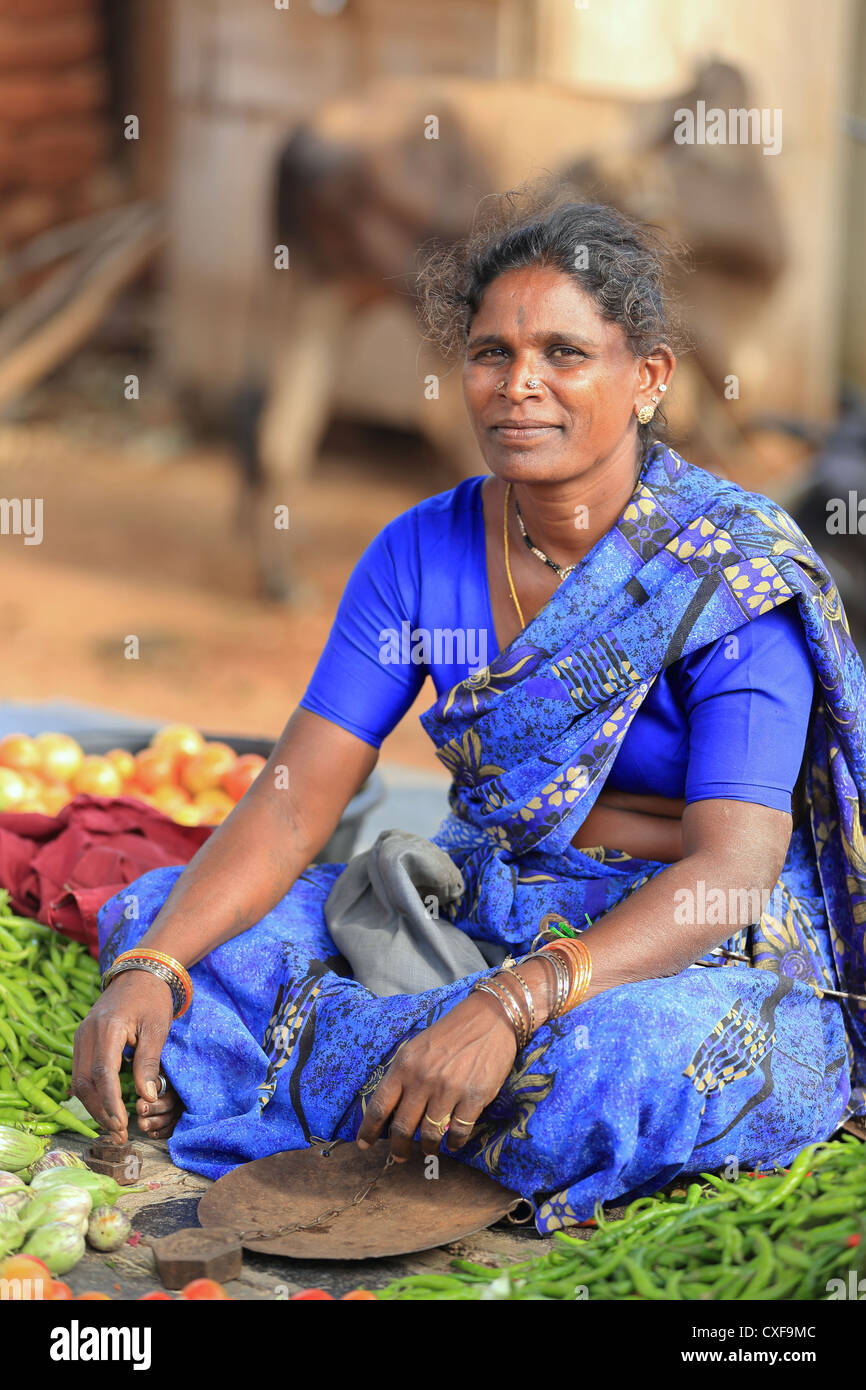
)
(384, 914)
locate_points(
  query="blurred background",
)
(209, 217)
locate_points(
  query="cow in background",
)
(359, 189)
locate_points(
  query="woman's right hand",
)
(136, 1008)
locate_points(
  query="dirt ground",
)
(170, 1203)
(145, 543)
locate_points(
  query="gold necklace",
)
(507, 564)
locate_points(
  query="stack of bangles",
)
(570, 961)
(164, 967)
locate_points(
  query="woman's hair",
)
(620, 263)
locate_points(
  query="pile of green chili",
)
(47, 985)
(780, 1235)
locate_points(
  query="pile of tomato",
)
(190, 779)
(23, 1277)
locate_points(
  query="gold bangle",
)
(577, 952)
(144, 954)
(579, 957)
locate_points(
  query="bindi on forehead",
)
(521, 316)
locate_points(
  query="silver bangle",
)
(153, 967)
(563, 981)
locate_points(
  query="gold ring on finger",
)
(457, 1121)
(441, 1126)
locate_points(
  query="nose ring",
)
(531, 384)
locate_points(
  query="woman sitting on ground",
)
(624, 763)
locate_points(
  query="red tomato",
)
(207, 768)
(60, 756)
(55, 795)
(213, 806)
(357, 1295)
(13, 789)
(20, 752)
(97, 776)
(59, 1292)
(123, 763)
(310, 1294)
(241, 777)
(153, 768)
(178, 739)
(24, 1278)
(169, 798)
(24, 1267)
(203, 1289)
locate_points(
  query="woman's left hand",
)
(452, 1069)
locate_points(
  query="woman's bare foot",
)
(157, 1118)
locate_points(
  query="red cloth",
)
(61, 869)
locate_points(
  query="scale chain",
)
(323, 1215)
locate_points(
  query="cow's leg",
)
(292, 422)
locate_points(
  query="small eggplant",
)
(108, 1228)
(56, 1158)
(58, 1244)
(58, 1203)
(13, 1192)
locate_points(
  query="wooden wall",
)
(54, 134)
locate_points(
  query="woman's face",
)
(536, 324)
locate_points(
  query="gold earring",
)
(645, 414)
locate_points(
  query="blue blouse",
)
(418, 604)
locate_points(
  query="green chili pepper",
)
(51, 972)
(36, 1053)
(643, 1282)
(792, 1179)
(19, 991)
(10, 1041)
(51, 1041)
(835, 1231)
(86, 978)
(764, 1265)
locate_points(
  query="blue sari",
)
(744, 1063)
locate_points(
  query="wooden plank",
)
(49, 344)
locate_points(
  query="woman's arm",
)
(238, 875)
(735, 846)
(275, 831)
(458, 1065)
